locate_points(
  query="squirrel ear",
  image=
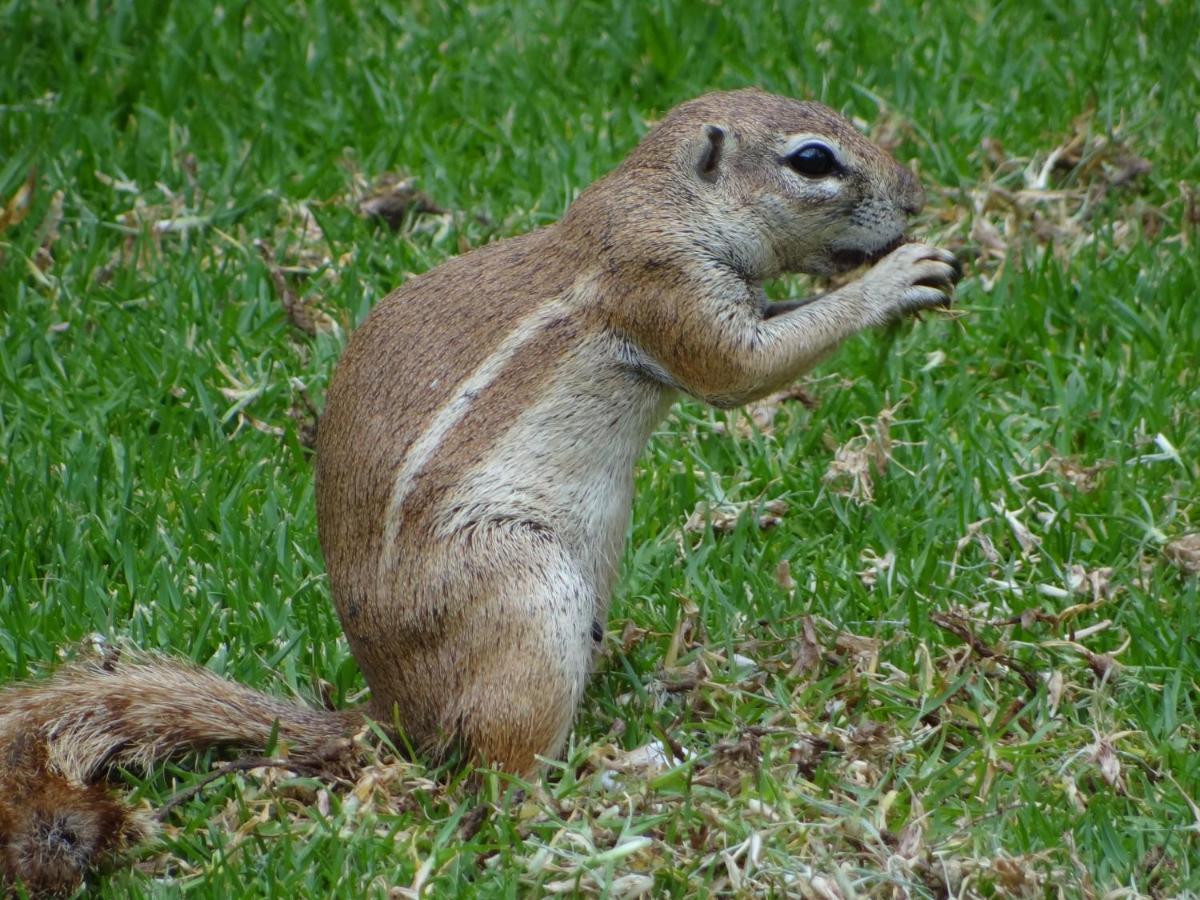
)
(710, 153)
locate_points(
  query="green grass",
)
(865, 750)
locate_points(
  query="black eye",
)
(814, 161)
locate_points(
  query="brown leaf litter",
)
(1185, 553)
(724, 517)
(17, 210)
(860, 460)
(19, 204)
(48, 233)
(393, 198)
(807, 651)
(1050, 200)
(732, 761)
(876, 567)
(783, 575)
(303, 313)
(1083, 478)
(1104, 755)
(960, 627)
(760, 416)
(645, 761)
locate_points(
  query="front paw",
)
(910, 278)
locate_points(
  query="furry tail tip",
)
(53, 831)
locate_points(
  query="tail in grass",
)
(59, 737)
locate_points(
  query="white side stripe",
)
(423, 448)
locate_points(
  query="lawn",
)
(929, 623)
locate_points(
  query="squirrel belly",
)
(475, 459)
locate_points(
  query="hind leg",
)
(485, 644)
(528, 649)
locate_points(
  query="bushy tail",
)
(58, 737)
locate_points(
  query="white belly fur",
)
(550, 469)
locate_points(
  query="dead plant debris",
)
(303, 313)
(761, 415)
(723, 517)
(1083, 478)
(393, 198)
(19, 204)
(1048, 201)
(48, 233)
(859, 461)
(1185, 553)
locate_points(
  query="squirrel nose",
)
(910, 195)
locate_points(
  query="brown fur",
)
(52, 830)
(58, 737)
(475, 459)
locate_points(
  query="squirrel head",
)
(766, 185)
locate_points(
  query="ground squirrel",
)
(475, 458)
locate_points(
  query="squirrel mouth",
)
(845, 260)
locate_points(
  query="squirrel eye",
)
(814, 161)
